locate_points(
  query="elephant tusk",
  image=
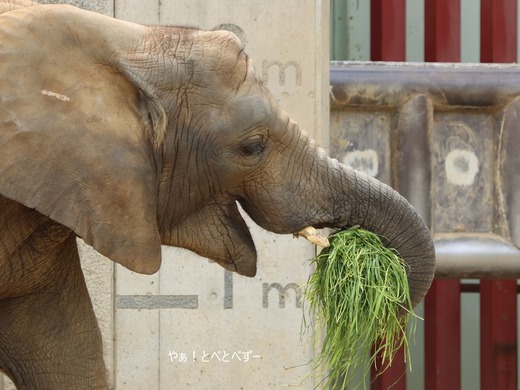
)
(314, 236)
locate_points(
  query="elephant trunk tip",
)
(378, 208)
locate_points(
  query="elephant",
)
(132, 137)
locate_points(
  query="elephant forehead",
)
(252, 111)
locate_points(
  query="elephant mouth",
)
(218, 232)
(226, 239)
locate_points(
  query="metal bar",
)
(376, 28)
(498, 26)
(442, 303)
(387, 30)
(412, 171)
(393, 376)
(498, 340)
(475, 288)
(391, 84)
(413, 180)
(442, 336)
(442, 30)
(475, 256)
(388, 43)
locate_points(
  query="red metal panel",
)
(442, 303)
(388, 43)
(394, 377)
(442, 30)
(442, 336)
(498, 31)
(498, 340)
(387, 30)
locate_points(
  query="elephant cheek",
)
(244, 263)
(218, 233)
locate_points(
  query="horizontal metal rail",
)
(383, 84)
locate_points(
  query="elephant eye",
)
(252, 148)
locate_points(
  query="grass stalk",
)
(359, 303)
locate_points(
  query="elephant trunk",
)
(326, 193)
(376, 207)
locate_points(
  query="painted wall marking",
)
(228, 289)
(366, 161)
(461, 167)
(157, 302)
(282, 71)
(282, 294)
(192, 301)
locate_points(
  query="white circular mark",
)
(461, 167)
(366, 161)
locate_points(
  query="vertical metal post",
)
(388, 30)
(498, 334)
(442, 336)
(393, 377)
(498, 318)
(442, 303)
(498, 26)
(388, 43)
(442, 30)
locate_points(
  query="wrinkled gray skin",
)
(132, 136)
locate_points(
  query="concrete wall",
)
(179, 327)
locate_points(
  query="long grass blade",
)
(360, 300)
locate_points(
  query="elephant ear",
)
(75, 145)
(10, 5)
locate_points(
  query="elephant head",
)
(137, 136)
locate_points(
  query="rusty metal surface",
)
(392, 83)
(447, 136)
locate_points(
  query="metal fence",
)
(445, 136)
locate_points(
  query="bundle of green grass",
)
(360, 303)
